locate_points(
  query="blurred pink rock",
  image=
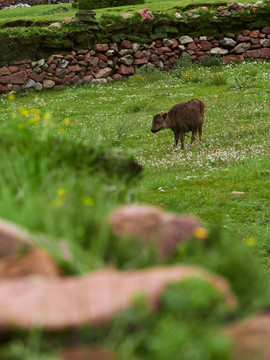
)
(250, 338)
(149, 223)
(60, 303)
(146, 14)
(36, 262)
(12, 238)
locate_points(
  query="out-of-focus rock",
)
(250, 338)
(148, 223)
(12, 238)
(61, 303)
(35, 262)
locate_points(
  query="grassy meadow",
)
(48, 13)
(52, 183)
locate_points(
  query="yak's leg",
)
(194, 133)
(182, 139)
(200, 133)
(176, 138)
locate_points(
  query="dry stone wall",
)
(112, 62)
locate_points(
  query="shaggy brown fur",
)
(182, 118)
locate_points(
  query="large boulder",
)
(61, 303)
(151, 224)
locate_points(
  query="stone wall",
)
(109, 62)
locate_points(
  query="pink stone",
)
(69, 58)
(205, 45)
(36, 262)
(88, 78)
(146, 14)
(174, 44)
(158, 43)
(51, 68)
(74, 68)
(191, 46)
(126, 44)
(117, 77)
(259, 53)
(82, 52)
(37, 77)
(13, 69)
(255, 41)
(231, 58)
(3, 89)
(240, 38)
(154, 57)
(126, 70)
(138, 54)
(12, 237)
(172, 60)
(266, 30)
(101, 47)
(62, 303)
(148, 223)
(66, 80)
(102, 57)
(17, 78)
(245, 32)
(141, 61)
(102, 64)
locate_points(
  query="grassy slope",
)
(233, 157)
(42, 12)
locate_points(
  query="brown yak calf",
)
(182, 118)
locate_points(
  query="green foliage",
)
(97, 4)
(175, 331)
(217, 79)
(60, 176)
(210, 61)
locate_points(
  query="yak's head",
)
(158, 122)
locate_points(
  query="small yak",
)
(182, 118)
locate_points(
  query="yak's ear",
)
(164, 115)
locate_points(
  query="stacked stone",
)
(111, 62)
(254, 44)
(235, 8)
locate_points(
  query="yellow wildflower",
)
(62, 130)
(34, 120)
(66, 121)
(200, 233)
(61, 192)
(250, 241)
(11, 96)
(88, 201)
(35, 111)
(47, 117)
(23, 111)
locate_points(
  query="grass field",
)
(47, 185)
(45, 12)
(234, 155)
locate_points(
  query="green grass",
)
(42, 12)
(55, 182)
